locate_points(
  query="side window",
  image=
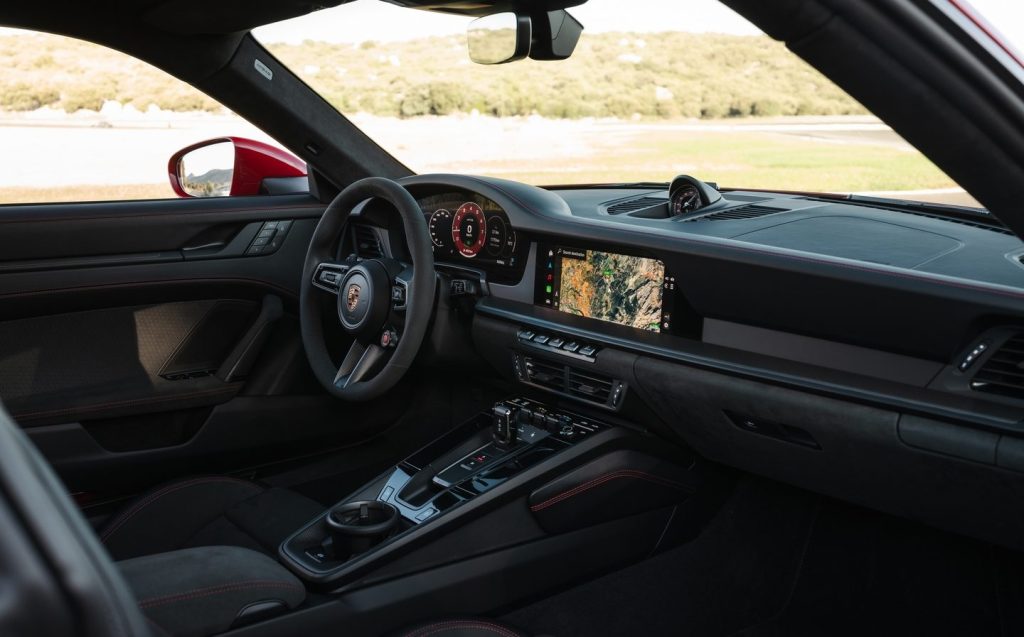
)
(81, 122)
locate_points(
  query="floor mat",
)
(738, 572)
(780, 561)
(870, 574)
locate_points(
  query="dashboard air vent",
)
(367, 242)
(545, 374)
(751, 211)
(1003, 372)
(589, 386)
(632, 205)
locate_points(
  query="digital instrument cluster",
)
(472, 230)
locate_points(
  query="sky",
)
(374, 20)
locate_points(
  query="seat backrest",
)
(55, 577)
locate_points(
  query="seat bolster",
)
(204, 591)
(165, 518)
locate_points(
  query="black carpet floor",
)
(779, 561)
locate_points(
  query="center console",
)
(512, 476)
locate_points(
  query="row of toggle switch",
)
(557, 344)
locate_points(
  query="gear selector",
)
(505, 428)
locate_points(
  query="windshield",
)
(670, 87)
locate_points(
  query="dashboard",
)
(861, 275)
(783, 278)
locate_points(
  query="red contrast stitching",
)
(586, 486)
(129, 514)
(215, 590)
(437, 628)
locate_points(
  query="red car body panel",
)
(254, 162)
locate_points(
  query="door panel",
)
(114, 318)
(78, 249)
(119, 361)
(52, 231)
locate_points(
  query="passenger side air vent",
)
(751, 211)
(588, 386)
(1003, 372)
(367, 242)
(632, 205)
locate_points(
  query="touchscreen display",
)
(618, 288)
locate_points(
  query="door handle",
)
(204, 249)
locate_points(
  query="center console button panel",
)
(556, 344)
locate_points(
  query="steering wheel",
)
(384, 304)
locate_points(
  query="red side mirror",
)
(229, 166)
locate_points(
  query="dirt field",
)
(48, 156)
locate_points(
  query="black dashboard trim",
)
(652, 232)
(816, 351)
(815, 379)
(775, 279)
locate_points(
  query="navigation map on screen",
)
(611, 287)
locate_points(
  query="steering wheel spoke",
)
(400, 288)
(361, 362)
(327, 276)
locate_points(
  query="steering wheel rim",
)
(353, 379)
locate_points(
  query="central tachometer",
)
(469, 229)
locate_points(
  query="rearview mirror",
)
(499, 38)
(232, 166)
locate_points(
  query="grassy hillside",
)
(48, 70)
(663, 75)
(611, 74)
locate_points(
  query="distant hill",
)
(654, 75)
